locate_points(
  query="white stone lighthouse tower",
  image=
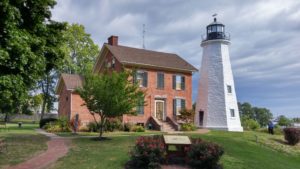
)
(216, 103)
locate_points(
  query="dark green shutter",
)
(182, 103)
(134, 77)
(174, 107)
(145, 79)
(160, 80)
(174, 81)
(182, 83)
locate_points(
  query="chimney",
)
(113, 40)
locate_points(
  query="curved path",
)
(57, 148)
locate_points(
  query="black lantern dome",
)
(215, 30)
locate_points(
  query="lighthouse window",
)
(209, 29)
(229, 89)
(214, 28)
(232, 113)
(220, 28)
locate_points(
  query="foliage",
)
(29, 47)
(138, 128)
(250, 124)
(113, 124)
(284, 121)
(93, 127)
(128, 126)
(186, 115)
(148, 152)
(204, 155)
(110, 95)
(261, 115)
(188, 127)
(292, 135)
(81, 51)
(276, 130)
(43, 122)
(296, 120)
(60, 125)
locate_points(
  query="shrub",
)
(128, 126)
(113, 124)
(138, 128)
(147, 153)
(250, 124)
(43, 122)
(84, 129)
(59, 125)
(204, 155)
(188, 127)
(292, 135)
(93, 127)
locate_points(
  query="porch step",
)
(167, 127)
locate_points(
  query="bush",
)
(138, 128)
(147, 153)
(60, 125)
(43, 122)
(292, 135)
(113, 124)
(188, 127)
(250, 124)
(93, 127)
(128, 126)
(204, 155)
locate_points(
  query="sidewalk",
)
(57, 148)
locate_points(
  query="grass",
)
(22, 143)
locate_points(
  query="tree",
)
(81, 51)
(284, 121)
(110, 95)
(187, 115)
(261, 115)
(29, 47)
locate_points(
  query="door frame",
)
(164, 109)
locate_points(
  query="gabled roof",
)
(142, 57)
(71, 82)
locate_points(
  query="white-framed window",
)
(229, 89)
(232, 113)
(141, 78)
(178, 82)
(140, 106)
(178, 104)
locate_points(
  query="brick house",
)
(166, 78)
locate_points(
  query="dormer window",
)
(113, 62)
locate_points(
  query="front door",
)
(159, 109)
(201, 114)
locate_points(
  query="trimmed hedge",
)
(292, 135)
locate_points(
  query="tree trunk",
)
(6, 117)
(45, 90)
(101, 127)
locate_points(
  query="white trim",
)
(162, 101)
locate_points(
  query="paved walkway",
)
(57, 148)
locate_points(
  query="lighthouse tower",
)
(216, 103)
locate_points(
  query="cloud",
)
(264, 38)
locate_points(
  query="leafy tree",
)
(261, 115)
(187, 115)
(81, 51)
(29, 48)
(284, 121)
(110, 95)
(296, 120)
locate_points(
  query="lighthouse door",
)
(201, 114)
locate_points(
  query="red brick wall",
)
(64, 104)
(80, 109)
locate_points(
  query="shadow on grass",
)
(279, 141)
(100, 139)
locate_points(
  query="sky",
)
(265, 44)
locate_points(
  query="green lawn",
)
(241, 151)
(22, 143)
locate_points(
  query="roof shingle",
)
(72, 81)
(135, 56)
